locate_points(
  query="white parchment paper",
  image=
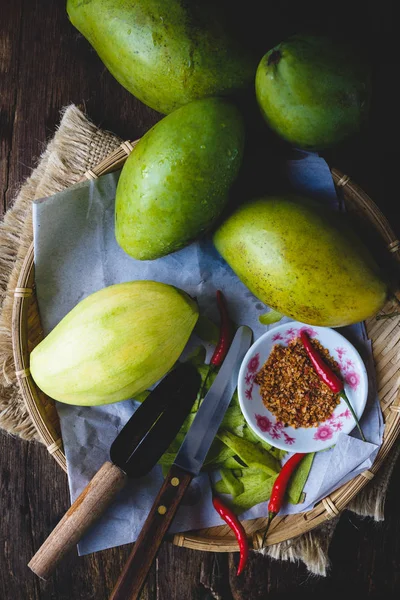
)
(76, 254)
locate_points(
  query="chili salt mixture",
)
(290, 388)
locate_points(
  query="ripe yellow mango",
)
(302, 260)
(115, 343)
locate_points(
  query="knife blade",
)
(188, 463)
(135, 450)
(199, 438)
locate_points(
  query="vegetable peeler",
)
(134, 452)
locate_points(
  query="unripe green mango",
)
(165, 52)
(114, 344)
(175, 183)
(302, 260)
(313, 92)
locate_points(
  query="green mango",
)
(234, 485)
(298, 480)
(257, 488)
(166, 53)
(313, 92)
(253, 455)
(302, 260)
(175, 183)
(114, 344)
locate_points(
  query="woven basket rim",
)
(214, 538)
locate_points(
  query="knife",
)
(135, 450)
(187, 465)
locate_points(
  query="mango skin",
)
(176, 182)
(302, 261)
(114, 344)
(166, 53)
(313, 93)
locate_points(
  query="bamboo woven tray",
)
(384, 334)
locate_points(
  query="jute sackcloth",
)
(77, 146)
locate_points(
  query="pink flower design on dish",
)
(353, 379)
(309, 330)
(249, 378)
(288, 439)
(275, 434)
(276, 337)
(324, 432)
(337, 425)
(263, 423)
(254, 363)
(340, 352)
(344, 415)
(290, 334)
(349, 363)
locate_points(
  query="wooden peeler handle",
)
(86, 509)
(149, 541)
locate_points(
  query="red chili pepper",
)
(221, 349)
(224, 341)
(279, 488)
(328, 376)
(225, 332)
(322, 369)
(231, 519)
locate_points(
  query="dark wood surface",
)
(45, 65)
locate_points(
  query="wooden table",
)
(44, 65)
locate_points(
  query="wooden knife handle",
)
(149, 541)
(86, 509)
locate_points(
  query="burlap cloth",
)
(77, 146)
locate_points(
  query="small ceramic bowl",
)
(302, 439)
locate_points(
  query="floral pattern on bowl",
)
(311, 439)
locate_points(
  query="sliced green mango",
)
(233, 484)
(232, 463)
(169, 455)
(233, 419)
(273, 316)
(165, 469)
(167, 459)
(217, 454)
(249, 435)
(257, 488)
(299, 478)
(252, 454)
(188, 422)
(220, 487)
(235, 399)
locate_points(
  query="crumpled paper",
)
(76, 254)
